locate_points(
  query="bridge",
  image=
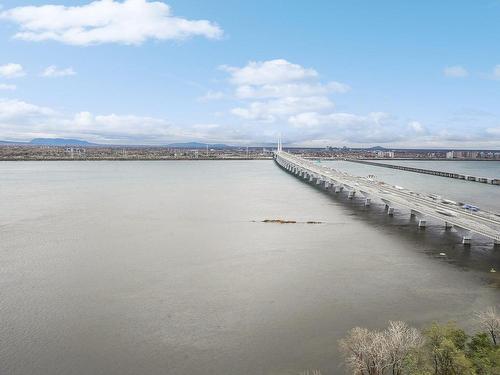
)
(422, 206)
(484, 180)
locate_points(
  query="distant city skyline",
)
(332, 73)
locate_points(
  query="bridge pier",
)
(337, 189)
(466, 239)
(368, 201)
(390, 211)
(496, 242)
(447, 225)
(422, 223)
(413, 213)
(351, 194)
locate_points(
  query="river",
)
(167, 268)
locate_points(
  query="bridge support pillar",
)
(447, 225)
(422, 223)
(386, 207)
(368, 201)
(319, 181)
(413, 213)
(337, 189)
(496, 242)
(311, 178)
(327, 185)
(466, 240)
(390, 211)
(351, 194)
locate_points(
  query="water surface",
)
(165, 268)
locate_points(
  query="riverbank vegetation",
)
(437, 350)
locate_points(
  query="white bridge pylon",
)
(484, 223)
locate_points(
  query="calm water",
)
(164, 268)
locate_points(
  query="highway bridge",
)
(420, 205)
(465, 177)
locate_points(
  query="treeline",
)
(438, 350)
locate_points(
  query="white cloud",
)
(280, 97)
(12, 70)
(314, 119)
(20, 120)
(268, 73)
(496, 72)
(276, 89)
(494, 131)
(290, 89)
(13, 109)
(212, 95)
(54, 71)
(346, 128)
(455, 71)
(417, 127)
(4, 86)
(106, 21)
(273, 110)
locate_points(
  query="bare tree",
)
(311, 372)
(401, 340)
(377, 353)
(365, 351)
(489, 321)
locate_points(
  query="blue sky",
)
(340, 73)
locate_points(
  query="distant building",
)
(385, 154)
(462, 155)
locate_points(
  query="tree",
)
(489, 321)
(377, 353)
(445, 345)
(364, 351)
(485, 356)
(311, 372)
(401, 341)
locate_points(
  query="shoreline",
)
(136, 159)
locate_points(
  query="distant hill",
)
(197, 145)
(50, 142)
(59, 142)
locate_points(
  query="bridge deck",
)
(465, 177)
(481, 222)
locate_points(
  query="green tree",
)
(445, 350)
(484, 355)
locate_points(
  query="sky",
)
(352, 73)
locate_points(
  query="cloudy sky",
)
(334, 72)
